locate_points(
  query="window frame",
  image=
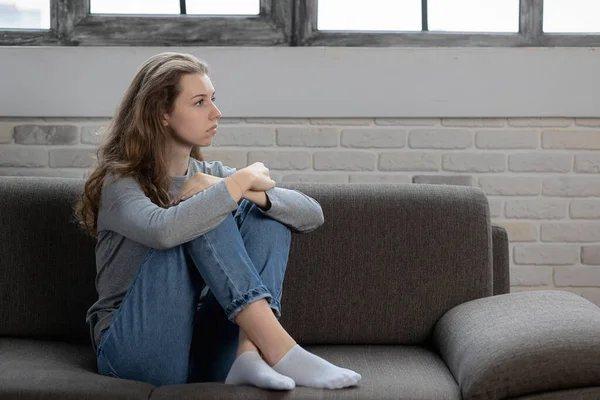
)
(279, 23)
(71, 24)
(530, 33)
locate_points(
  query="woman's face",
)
(195, 116)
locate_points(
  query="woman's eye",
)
(200, 102)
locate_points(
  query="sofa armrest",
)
(500, 260)
(515, 344)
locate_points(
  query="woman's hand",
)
(196, 184)
(257, 177)
(251, 179)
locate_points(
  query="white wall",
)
(275, 82)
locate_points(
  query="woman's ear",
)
(165, 120)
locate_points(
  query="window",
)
(139, 7)
(506, 23)
(190, 7)
(25, 14)
(572, 16)
(223, 7)
(473, 15)
(442, 23)
(409, 15)
(372, 15)
(161, 23)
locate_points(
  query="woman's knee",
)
(251, 214)
(220, 233)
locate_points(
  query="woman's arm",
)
(259, 198)
(292, 208)
(125, 209)
(299, 212)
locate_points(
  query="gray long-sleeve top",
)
(129, 224)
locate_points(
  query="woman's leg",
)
(151, 332)
(267, 242)
(217, 341)
(213, 353)
(152, 329)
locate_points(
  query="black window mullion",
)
(424, 18)
(531, 14)
(182, 8)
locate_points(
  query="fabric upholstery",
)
(521, 343)
(389, 261)
(591, 393)
(34, 369)
(500, 261)
(392, 265)
(388, 372)
(47, 265)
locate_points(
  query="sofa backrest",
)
(47, 264)
(389, 261)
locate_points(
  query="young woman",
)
(190, 254)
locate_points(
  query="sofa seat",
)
(52, 370)
(39, 369)
(388, 372)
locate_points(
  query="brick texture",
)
(373, 138)
(345, 161)
(440, 139)
(307, 137)
(571, 140)
(409, 161)
(46, 134)
(6, 132)
(282, 159)
(506, 140)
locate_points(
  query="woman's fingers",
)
(193, 192)
(186, 195)
(189, 194)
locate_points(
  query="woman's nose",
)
(217, 113)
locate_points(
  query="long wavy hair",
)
(135, 142)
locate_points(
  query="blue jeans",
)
(163, 335)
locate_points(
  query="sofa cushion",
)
(47, 265)
(521, 343)
(50, 370)
(591, 393)
(33, 369)
(388, 262)
(388, 372)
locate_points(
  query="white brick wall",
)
(542, 175)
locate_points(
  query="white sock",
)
(309, 370)
(250, 369)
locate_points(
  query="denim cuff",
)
(249, 297)
(275, 306)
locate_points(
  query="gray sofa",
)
(406, 284)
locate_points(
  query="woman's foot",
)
(285, 355)
(309, 370)
(250, 369)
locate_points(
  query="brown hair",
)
(135, 142)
